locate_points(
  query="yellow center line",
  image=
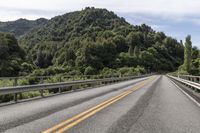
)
(90, 114)
(80, 115)
(65, 125)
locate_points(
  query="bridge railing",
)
(30, 80)
(62, 86)
(192, 78)
(188, 80)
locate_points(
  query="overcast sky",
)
(176, 18)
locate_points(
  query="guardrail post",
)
(195, 79)
(15, 97)
(59, 90)
(60, 79)
(41, 80)
(42, 93)
(195, 89)
(15, 82)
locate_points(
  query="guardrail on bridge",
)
(61, 86)
(188, 80)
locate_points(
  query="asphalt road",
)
(147, 105)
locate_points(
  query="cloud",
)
(8, 13)
(175, 17)
(166, 8)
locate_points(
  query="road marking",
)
(79, 115)
(191, 98)
(90, 114)
(71, 122)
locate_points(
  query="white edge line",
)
(191, 98)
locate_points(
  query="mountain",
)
(21, 26)
(68, 32)
(97, 38)
(93, 41)
(76, 24)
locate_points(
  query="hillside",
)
(11, 55)
(21, 26)
(94, 41)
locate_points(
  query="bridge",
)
(132, 104)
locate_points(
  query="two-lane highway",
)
(146, 105)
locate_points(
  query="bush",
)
(132, 70)
(109, 71)
(90, 71)
(182, 70)
(127, 71)
(140, 70)
(56, 70)
(27, 68)
(74, 72)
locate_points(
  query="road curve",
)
(147, 105)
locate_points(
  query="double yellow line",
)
(71, 122)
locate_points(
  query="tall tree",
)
(187, 53)
(136, 51)
(134, 41)
(40, 61)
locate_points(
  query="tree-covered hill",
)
(93, 41)
(21, 26)
(11, 55)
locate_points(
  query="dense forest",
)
(21, 26)
(90, 41)
(11, 55)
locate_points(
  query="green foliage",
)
(89, 71)
(124, 59)
(191, 59)
(136, 51)
(87, 41)
(109, 71)
(132, 70)
(11, 55)
(21, 26)
(195, 67)
(188, 53)
(134, 40)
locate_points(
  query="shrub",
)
(90, 71)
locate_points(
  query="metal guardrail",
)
(41, 87)
(189, 83)
(14, 81)
(192, 78)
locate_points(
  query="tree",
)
(131, 50)
(11, 55)
(134, 40)
(40, 61)
(195, 52)
(187, 53)
(120, 42)
(136, 51)
(89, 71)
(93, 38)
